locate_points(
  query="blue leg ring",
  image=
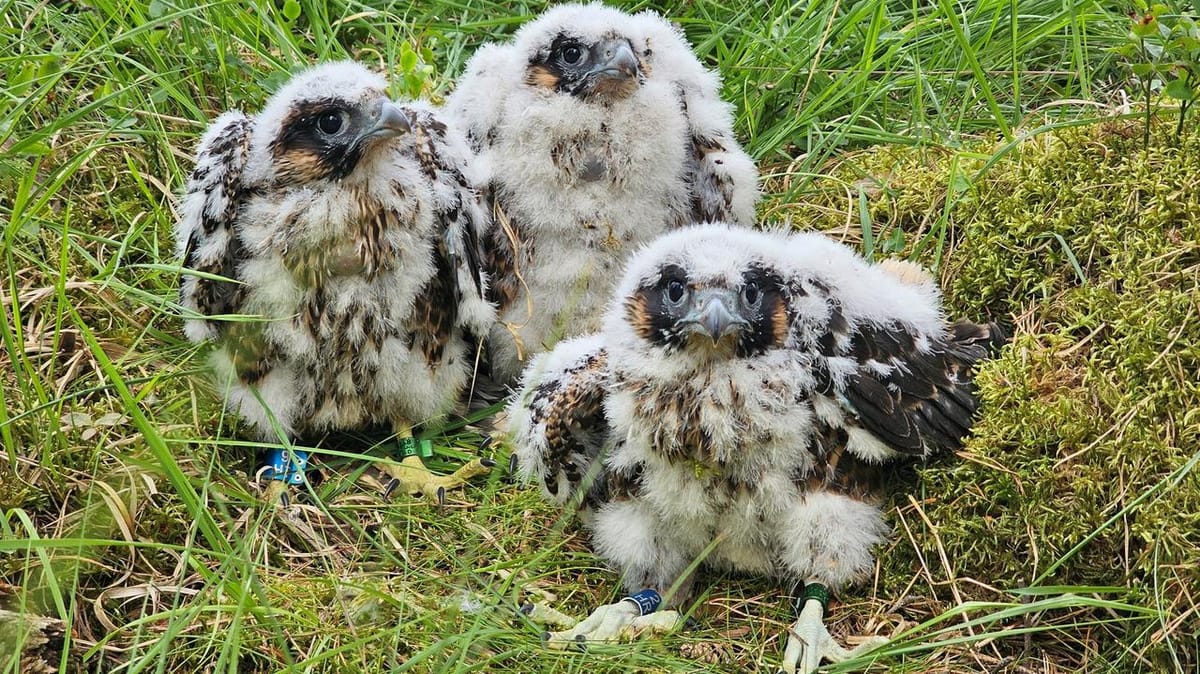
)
(289, 472)
(646, 600)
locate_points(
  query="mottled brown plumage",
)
(573, 418)
(346, 229)
(757, 391)
(501, 260)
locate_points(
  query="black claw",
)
(486, 462)
(389, 488)
(485, 443)
(509, 477)
(285, 500)
(525, 609)
(545, 636)
(441, 497)
(581, 642)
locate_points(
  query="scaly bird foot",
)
(622, 621)
(411, 477)
(276, 493)
(809, 641)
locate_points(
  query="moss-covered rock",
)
(1088, 246)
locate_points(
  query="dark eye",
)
(675, 291)
(331, 122)
(751, 293)
(572, 54)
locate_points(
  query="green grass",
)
(124, 495)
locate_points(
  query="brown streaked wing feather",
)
(500, 255)
(215, 297)
(838, 470)
(436, 308)
(927, 404)
(571, 407)
(216, 183)
(250, 352)
(462, 214)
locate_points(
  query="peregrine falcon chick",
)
(597, 131)
(343, 231)
(739, 409)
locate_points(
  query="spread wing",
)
(722, 177)
(913, 392)
(206, 233)
(558, 423)
(892, 376)
(455, 296)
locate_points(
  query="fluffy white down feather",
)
(761, 494)
(533, 143)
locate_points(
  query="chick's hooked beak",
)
(714, 313)
(615, 60)
(386, 120)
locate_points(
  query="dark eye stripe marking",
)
(649, 312)
(303, 153)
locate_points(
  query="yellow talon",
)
(413, 478)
